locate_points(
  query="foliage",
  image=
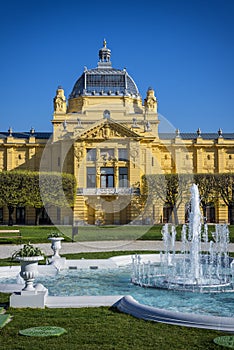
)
(12, 188)
(224, 184)
(57, 189)
(173, 189)
(36, 189)
(55, 235)
(27, 188)
(207, 189)
(169, 189)
(155, 187)
(28, 250)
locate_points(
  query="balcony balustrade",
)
(109, 191)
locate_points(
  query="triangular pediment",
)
(107, 129)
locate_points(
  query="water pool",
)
(117, 282)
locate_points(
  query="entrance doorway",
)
(108, 212)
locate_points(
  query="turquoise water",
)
(117, 282)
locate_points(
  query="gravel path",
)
(98, 246)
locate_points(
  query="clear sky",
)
(184, 49)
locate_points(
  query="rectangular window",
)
(123, 154)
(91, 177)
(44, 217)
(107, 177)
(107, 153)
(91, 154)
(58, 214)
(167, 214)
(20, 215)
(123, 177)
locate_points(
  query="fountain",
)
(201, 265)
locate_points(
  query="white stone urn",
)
(29, 270)
(56, 246)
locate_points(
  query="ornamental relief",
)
(79, 153)
(150, 101)
(60, 102)
(134, 154)
(104, 133)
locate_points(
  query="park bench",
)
(10, 234)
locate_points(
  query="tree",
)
(207, 189)
(12, 192)
(37, 190)
(178, 191)
(224, 184)
(169, 189)
(154, 186)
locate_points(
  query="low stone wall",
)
(130, 306)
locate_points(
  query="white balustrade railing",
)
(105, 191)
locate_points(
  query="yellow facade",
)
(106, 136)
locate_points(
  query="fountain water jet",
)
(200, 266)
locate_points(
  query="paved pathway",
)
(98, 246)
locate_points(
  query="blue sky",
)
(184, 49)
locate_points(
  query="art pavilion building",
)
(108, 137)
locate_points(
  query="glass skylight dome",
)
(105, 80)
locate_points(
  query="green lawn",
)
(39, 234)
(33, 234)
(100, 329)
(96, 255)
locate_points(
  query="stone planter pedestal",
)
(56, 246)
(30, 296)
(29, 271)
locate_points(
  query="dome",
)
(105, 80)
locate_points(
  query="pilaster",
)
(10, 158)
